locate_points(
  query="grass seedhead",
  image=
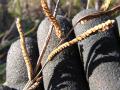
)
(52, 19)
(24, 50)
(101, 27)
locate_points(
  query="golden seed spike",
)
(55, 23)
(24, 50)
(100, 28)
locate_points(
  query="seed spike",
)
(55, 23)
(101, 27)
(24, 50)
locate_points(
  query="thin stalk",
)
(88, 4)
(98, 4)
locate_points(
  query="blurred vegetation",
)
(2, 73)
(31, 14)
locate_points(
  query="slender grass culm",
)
(101, 27)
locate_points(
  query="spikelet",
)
(47, 12)
(101, 27)
(24, 50)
